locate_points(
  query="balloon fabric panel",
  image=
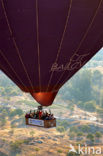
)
(44, 43)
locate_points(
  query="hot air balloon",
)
(41, 118)
(44, 43)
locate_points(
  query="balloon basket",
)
(41, 123)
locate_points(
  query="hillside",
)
(18, 139)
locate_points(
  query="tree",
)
(81, 88)
(74, 129)
(90, 106)
(101, 98)
(59, 151)
(2, 91)
(3, 122)
(37, 150)
(72, 154)
(32, 133)
(85, 128)
(63, 123)
(98, 135)
(60, 129)
(80, 134)
(16, 146)
(90, 137)
(96, 78)
(100, 112)
(72, 135)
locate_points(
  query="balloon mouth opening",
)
(44, 98)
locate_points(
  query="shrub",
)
(90, 136)
(98, 134)
(90, 106)
(63, 123)
(74, 129)
(37, 149)
(85, 128)
(80, 134)
(59, 151)
(3, 122)
(16, 146)
(72, 154)
(60, 129)
(32, 133)
(72, 135)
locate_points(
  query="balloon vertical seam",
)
(38, 45)
(83, 38)
(14, 42)
(62, 39)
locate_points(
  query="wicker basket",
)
(41, 123)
